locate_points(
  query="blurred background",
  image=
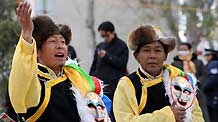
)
(193, 21)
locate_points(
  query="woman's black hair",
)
(187, 44)
(214, 57)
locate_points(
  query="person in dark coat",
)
(210, 88)
(110, 58)
(188, 61)
(71, 52)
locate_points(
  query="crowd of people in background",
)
(188, 61)
(207, 74)
(210, 86)
(46, 84)
(110, 59)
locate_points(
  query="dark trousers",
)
(109, 91)
(202, 103)
(213, 113)
(110, 94)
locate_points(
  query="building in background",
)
(126, 16)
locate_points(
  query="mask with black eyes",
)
(182, 91)
(97, 107)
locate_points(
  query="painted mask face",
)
(182, 92)
(97, 107)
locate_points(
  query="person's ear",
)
(112, 33)
(166, 55)
(38, 53)
(136, 56)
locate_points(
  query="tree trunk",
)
(91, 22)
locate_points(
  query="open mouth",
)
(182, 102)
(59, 55)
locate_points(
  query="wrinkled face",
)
(151, 57)
(182, 92)
(96, 106)
(53, 53)
(108, 36)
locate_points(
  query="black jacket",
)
(113, 65)
(201, 71)
(210, 87)
(212, 81)
(71, 52)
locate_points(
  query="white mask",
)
(97, 107)
(182, 92)
(183, 53)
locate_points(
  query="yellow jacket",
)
(126, 108)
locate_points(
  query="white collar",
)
(150, 77)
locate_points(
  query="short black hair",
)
(106, 26)
(187, 44)
(214, 57)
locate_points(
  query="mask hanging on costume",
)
(94, 101)
(182, 91)
(97, 107)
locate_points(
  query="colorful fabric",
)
(107, 102)
(189, 66)
(72, 70)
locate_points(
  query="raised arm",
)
(24, 87)
(23, 12)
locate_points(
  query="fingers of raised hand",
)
(29, 11)
(18, 10)
(24, 11)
